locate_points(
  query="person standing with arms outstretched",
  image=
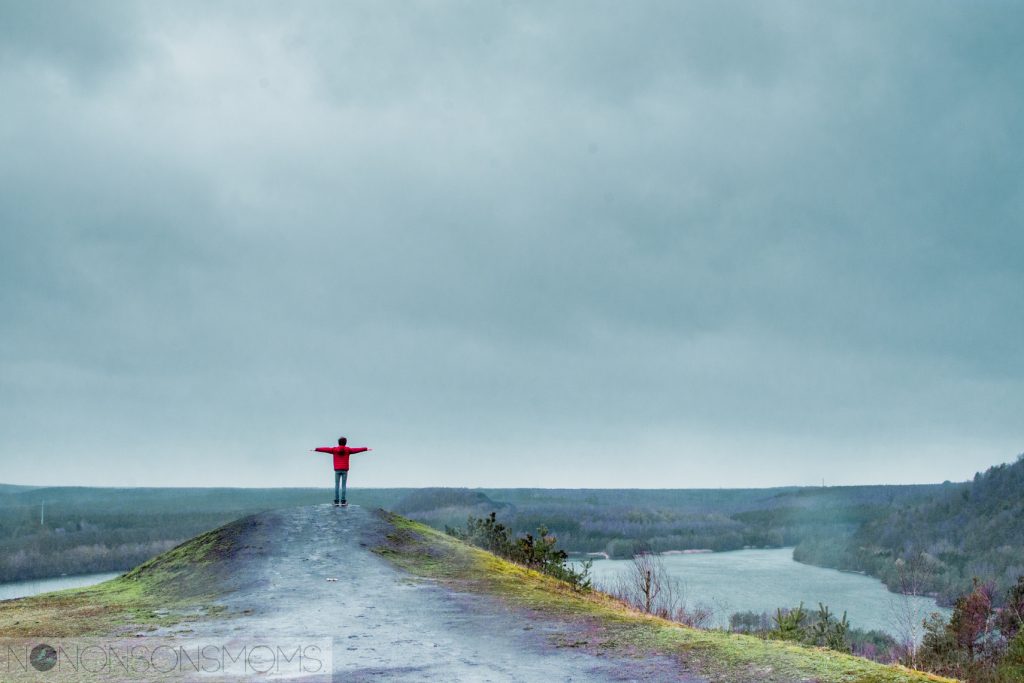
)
(341, 453)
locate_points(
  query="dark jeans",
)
(340, 476)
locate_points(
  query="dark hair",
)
(342, 441)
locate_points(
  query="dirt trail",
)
(385, 625)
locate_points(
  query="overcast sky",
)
(511, 244)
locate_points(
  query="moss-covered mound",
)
(173, 587)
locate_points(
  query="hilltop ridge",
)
(411, 602)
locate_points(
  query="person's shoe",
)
(344, 502)
(336, 503)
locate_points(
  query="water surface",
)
(762, 580)
(22, 589)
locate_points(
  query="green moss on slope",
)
(602, 623)
(173, 587)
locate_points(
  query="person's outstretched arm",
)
(324, 449)
(359, 449)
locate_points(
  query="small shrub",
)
(538, 552)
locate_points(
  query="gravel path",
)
(383, 624)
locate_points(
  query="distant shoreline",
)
(605, 556)
(688, 551)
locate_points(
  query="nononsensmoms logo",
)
(43, 657)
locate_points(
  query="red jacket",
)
(341, 454)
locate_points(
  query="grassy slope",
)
(602, 623)
(170, 588)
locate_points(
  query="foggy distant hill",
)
(14, 488)
(961, 532)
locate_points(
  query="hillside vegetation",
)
(941, 544)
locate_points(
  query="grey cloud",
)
(705, 227)
(83, 40)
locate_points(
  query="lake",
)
(761, 580)
(22, 589)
